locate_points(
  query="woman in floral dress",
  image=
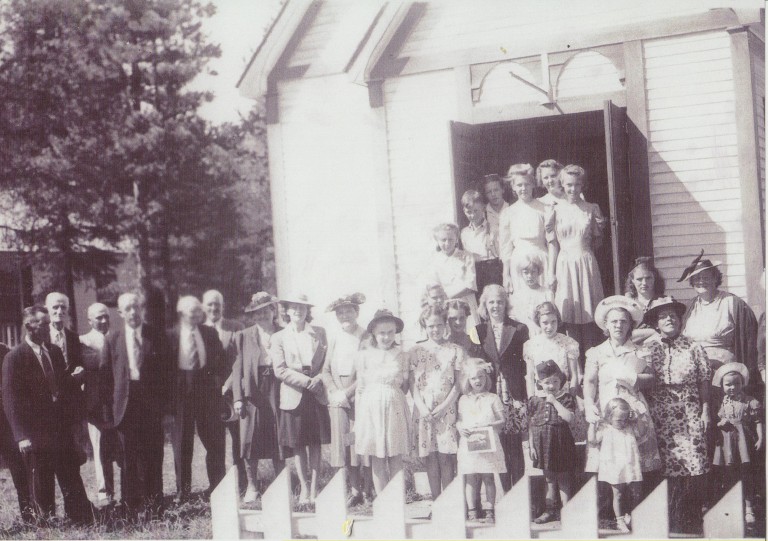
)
(680, 410)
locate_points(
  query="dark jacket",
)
(509, 358)
(29, 406)
(155, 372)
(215, 372)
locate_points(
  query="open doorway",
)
(599, 142)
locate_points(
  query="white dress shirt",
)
(134, 363)
(185, 348)
(58, 338)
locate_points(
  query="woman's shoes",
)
(250, 495)
(490, 516)
(621, 525)
(472, 515)
(749, 516)
(354, 499)
(546, 516)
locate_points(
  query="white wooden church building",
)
(382, 113)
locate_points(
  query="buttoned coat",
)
(288, 367)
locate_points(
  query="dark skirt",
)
(488, 272)
(554, 447)
(264, 442)
(308, 424)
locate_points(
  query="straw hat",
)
(618, 301)
(260, 300)
(740, 368)
(297, 298)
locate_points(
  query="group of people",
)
(518, 343)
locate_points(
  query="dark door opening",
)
(596, 140)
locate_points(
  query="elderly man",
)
(68, 342)
(36, 385)
(136, 373)
(102, 437)
(213, 306)
(200, 375)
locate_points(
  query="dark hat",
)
(698, 265)
(354, 299)
(547, 369)
(259, 301)
(385, 315)
(656, 305)
(642, 260)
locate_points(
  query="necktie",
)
(194, 356)
(50, 377)
(137, 351)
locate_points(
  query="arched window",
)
(500, 87)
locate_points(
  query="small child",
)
(481, 416)
(551, 443)
(739, 434)
(619, 458)
(529, 292)
(453, 268)
(478, 239)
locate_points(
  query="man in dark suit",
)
(9, 451)
(36, 386)
(68, 342)
(200, 375)
(136, 373)
(213, 306)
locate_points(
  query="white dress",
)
(524, 301)
(619, 455)
(382, 427)
(456, 272)
(522, 234)
(480, 409)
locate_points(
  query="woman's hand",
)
(759, 442)
(591, 412)
(533, 453)
(238, 407)
(705, 420)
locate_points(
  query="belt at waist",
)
(266, 370)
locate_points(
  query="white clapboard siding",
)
(695, 185)
(334, 35)
(329, 153)
(758, 68)
(503, 23)
(419, 145)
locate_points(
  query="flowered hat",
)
(727, 368)
(618, 301)
(385, 315)
(354, 299)
(698, 265)
(259, 301)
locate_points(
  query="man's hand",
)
(25, 446)
(238, 407)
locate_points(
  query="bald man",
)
(213, 306)
(100, 435)
(200, 374)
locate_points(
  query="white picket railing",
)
(579, 518)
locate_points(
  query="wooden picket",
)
(579, 518)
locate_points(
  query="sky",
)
(238, 27)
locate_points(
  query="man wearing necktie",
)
(68, 342)
(102, 438)
(136, 372)
(200, 375)
(36, 386)
(213, 306)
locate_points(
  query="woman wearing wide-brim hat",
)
(339, 379)
(298, 353)
(720, 321)
(256, 391)
(618, 368)
(681, 412)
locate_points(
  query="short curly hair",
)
(429, 311)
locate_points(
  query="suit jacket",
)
(29, 406)
(155, 373)
(288, 366)
(74, 403)
(249, 350)
(215, 370)
(508, 359)
(229, 327)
